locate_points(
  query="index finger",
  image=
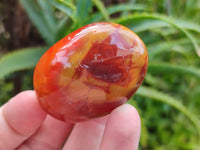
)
(19, 119)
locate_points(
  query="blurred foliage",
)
(169, 99)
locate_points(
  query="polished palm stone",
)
(90, 72)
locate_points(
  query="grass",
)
(169, 99)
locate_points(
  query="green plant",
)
(170, 29)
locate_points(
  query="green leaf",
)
(130, 20)
(160, 47)
(114, 9)
(144, 131)
(125, 7)
(148, 25)
(48, 13)
(162, 97)
(99, 4)
(62, 28)
(155, 82)
(66, 7)
(36, 17)
(188, 25)
(172, 68)
(83, 9)
(20, 59)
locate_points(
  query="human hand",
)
(25, 126)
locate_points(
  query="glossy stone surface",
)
(90, 72)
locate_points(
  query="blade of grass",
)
(188, 25)
(99, 4)
(62, 28)
(148, 25)
(66, 7)
(48, 13)
(20, 59)
(144, 131)
(114, 9)
(162, 97)
(83, 9)
(125, 7)
(172, 68)
(160, 47)
(155, 82)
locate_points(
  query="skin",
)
(25, 126)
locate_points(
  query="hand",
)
(25, 126)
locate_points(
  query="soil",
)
(17, 30)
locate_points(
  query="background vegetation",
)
(169, 99)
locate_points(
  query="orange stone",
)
(90, 72)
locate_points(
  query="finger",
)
(122, 130)
(86, 135)
(51, 135)
(19, 119)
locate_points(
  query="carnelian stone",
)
(90, 72)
